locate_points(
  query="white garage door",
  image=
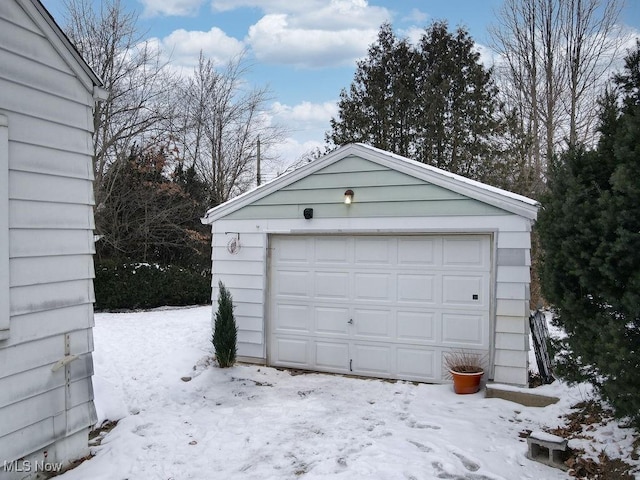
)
(381, 306)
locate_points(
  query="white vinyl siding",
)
(46, 239)
(379, 192)
(4, 228)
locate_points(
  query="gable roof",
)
(41, 16)
(511, 202)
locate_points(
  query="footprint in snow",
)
(468, 464)
(422, 447)
(413, 424)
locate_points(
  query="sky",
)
(303, 51)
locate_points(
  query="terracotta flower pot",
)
(464, 383)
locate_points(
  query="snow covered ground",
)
(253, 422)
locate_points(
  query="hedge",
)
(141, 285)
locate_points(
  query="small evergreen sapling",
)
(225, 331)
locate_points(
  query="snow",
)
(254, 422)
(546, 437)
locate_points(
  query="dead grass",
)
(584, 418)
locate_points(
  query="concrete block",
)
(548, 449)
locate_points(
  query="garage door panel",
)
(372, 251)
(416, 326)
(372, 323)
(413, 251)
(381, 306)
(332, 285)
(416, 363)
(291, 251)
(464, 329)
(291, 351)
(464, 290)
(331, 250)
(372, 286)
(464, 252)
(293, 283)
(420, 288)
(372, 359)
(332, 320)
(332, 355)
(293, 318)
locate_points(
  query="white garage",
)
(418, 262)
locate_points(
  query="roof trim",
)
(503, 199)
(41, 16)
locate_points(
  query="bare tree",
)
(554, 56)
(221, 122)
(134, 76)
(592, 43)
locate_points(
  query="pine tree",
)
(434, 102)
(458, 103)
(378, 107)
(225, 331)
(590, 233)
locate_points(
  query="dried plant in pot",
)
(466, 370)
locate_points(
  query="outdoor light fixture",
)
(348, 197)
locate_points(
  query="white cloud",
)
(412, 34)
(274, 40)
(290, 152)
(488, 57)
(305, 115)
(310, 33)
(184, 46)
(168, 8)
(306, 124)
(417, 16)
(268, 6)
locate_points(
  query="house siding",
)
(4, 227)
(245, 273)
(50, 243)
(379, 192)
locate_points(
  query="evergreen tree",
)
(378, 107)
(434, 102)
(225, 331)
(590, 233)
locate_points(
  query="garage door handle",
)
(351, 365)
(350, 322)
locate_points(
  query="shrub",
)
(122, 285)
(225, 331)
(590, 235)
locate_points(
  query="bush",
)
(225, 331)
(140, 285)
(590, 234)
